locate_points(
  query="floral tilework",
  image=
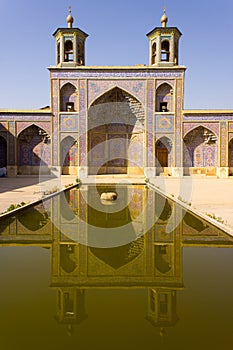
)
(150, 122)
(223, 150)
(164, 123)
(98, 87)
(69, 123)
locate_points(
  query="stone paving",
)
(206, 195)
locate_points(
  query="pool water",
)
(169, 286)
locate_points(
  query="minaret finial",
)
(70, 19)
(164, 18)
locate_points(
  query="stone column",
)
(158, 49)
(83, 144)
(172, 49)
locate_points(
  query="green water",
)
(167, 288)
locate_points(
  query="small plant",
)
(147, 179)
(53, 190)
(69, 185)
(184, 201)
(79, 182)
(214, 217)
(13, 207)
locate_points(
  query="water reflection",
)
(151, 260)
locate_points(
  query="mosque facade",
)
(117, 120)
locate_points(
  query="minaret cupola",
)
(164, 44)
(70, 44)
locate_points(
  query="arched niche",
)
(200, 151)
(230, 157)
(164, 98)
(116, 134)
(69, 156)
(34, 154)
(3, 152)
(68, 98)
(163, 154)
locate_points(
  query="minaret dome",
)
(70, 19)
(164, 44)
(70, 44)
(164, 18)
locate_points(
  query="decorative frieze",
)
(118, 74)
(201, 117)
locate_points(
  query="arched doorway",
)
(33, 151)
(163, 148)
(69, 156)
(230, 157)
(200, 152)
(116, 134)
(3, 152)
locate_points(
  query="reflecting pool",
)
(136, 273)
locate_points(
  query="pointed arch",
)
(33, 151)
(163, 154)
(115, 124)
(69, 155)
(68, 98)
(164, 98)
(197, 125)
(3, 152)
(200, 148)
(34, 218)
(44, 127)
(230, 156)
(113, 87)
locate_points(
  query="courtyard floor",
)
(204, 195)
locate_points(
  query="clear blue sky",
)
(117, 36)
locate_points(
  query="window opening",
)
(163, 107)
(163, 304)
(69, 53)
(153, 53)
(58, 53)
(80, 54)
(70, 107)
(165, 51)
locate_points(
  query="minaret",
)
(164, 44)
(70, 45)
